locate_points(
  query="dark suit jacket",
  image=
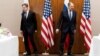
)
(29, 24)
(65, 23)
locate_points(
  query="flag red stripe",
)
(50, 32)
(44, 23)
(51, 23)
(89, 21)
(83, 18)
(50, 26)
(88, 38)
(82, 24)
(45, 43)
(88, 29)
(44, 32)
(87, 46)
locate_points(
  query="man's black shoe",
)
(70, 54)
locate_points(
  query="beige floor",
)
(57, 55)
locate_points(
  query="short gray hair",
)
(70, 4)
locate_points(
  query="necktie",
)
(25, 15)
(70, 15)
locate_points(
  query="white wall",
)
(10, 11)
(95, 11)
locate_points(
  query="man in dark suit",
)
(28, 27)
(67, 25)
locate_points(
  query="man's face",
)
(24, 8)
(71, 7)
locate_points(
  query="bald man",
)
(67, 25)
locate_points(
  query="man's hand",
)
(35, 30)
(75, 31)
(57, 30)
(21, 32)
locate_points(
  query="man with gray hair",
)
(67, 25)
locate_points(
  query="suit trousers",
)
(29, 35)
(63, 38)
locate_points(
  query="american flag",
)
(85, 26)
(47, 25)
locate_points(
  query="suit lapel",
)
(66, 15)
